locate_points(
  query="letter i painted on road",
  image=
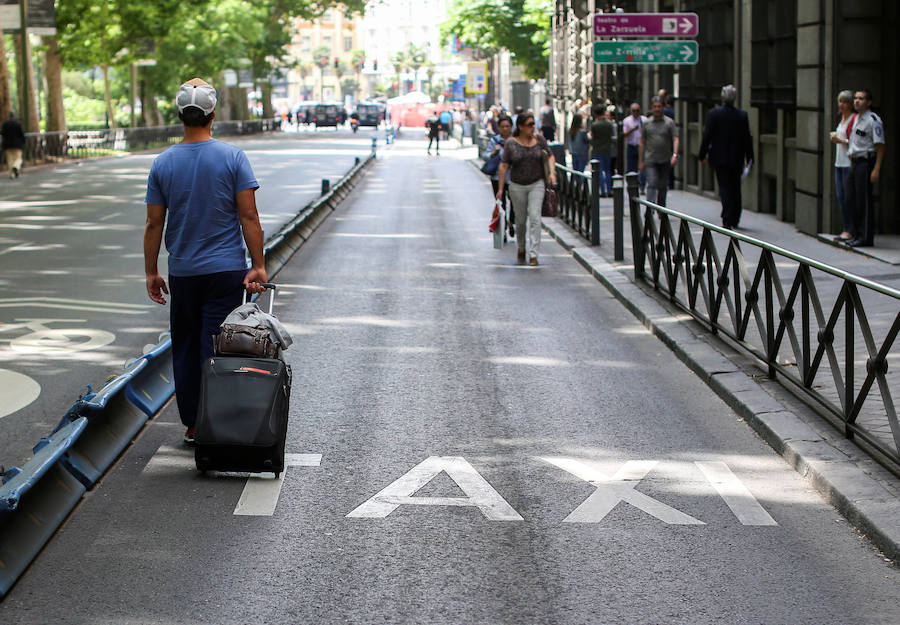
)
(478, 493)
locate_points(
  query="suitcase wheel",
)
(277, 473)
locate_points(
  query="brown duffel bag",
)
(238, 340)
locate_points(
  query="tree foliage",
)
(186, 38)
(520, 26)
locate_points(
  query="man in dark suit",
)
(727, 140)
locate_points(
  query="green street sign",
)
(672, 52)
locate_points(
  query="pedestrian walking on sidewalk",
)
(840, 137)
(523, 157)
(203, 192)
(866, 151)
(727, 141)
(658, 152)
(601, 146)
(579, 144)
(434, 133)
(548, 120)
(13, 143)
(631, 131)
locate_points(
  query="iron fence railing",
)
(41, 147)
(829, 333)
(575, 194)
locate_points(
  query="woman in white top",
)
(841, 138)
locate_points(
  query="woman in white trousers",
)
(523, 157)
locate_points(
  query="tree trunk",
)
(25, 72)
(237, 97)
(56, 112)
(265, 88)
(150, 115)
(5, 95)
(107, 97)
(223, 106)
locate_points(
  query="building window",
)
(327, 42)
(348, 43)
(703, 82)
(774, 55)
(306, 43)
(327, 17)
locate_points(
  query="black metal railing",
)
(576, 201)
(42, 147)
(829, 334)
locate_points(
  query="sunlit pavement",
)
(73, 306)
(475, 441)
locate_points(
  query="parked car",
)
(328, 115)
(370, 114)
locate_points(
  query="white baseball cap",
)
(196, 92)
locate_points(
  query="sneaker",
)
(533, 261)
(189, 437)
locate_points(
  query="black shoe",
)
(512, 231)
(859, 243)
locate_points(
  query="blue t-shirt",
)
(197, 183)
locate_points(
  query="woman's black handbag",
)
(491, 166)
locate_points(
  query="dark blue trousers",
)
(199, 305)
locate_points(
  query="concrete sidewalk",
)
(859, 487)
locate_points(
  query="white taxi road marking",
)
(261, 492)
(620, 487)
(736, 495)
(478, 492)
(16, 391)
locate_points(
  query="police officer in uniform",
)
(866, 151)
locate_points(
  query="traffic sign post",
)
(646, 25)
(646, 52)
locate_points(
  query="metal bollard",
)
(326, 185)
(618, 184)
(595, 202)
(637, 246)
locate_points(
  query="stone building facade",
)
(788, 60)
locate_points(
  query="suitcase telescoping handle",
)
(269, 287)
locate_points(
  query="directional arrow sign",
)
(646, 52)
(646, 25)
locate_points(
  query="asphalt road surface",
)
(472, 441)
(73, 306)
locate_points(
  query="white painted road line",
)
(620, 487)
(478, 492)
(744, 505)
(17, 390)
(261, 492)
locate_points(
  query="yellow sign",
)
(476, 77)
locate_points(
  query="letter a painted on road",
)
(478, 492)
(620, 487)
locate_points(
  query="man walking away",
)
(548, 121)
(207, 188)
(727, 140)
(658, 151)
(866, 151)
(13, 143)
(601, 145)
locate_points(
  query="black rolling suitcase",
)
(243, 414)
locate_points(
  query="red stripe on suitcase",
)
(256, 370)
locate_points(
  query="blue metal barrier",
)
(42, 494)
(117, 412)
